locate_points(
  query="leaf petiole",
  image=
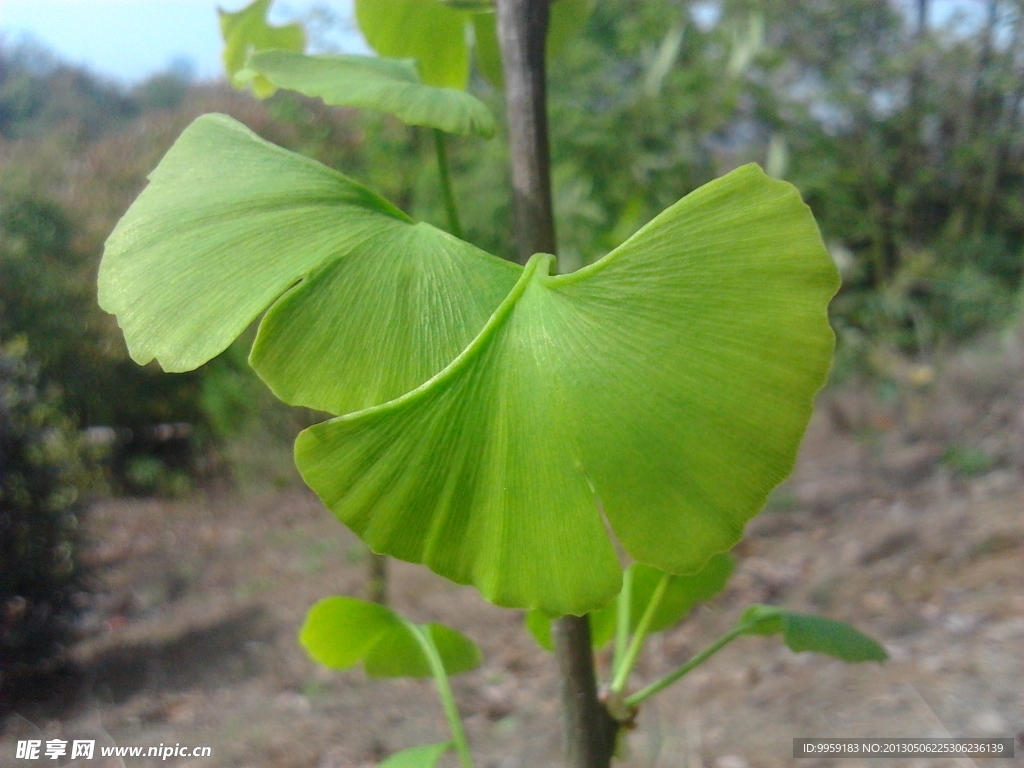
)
(440, 146)
(623, 613)
(444, 691)
(635, 700)
(637, 642)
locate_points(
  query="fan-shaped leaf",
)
(370, 82)
(229, 222)
(246, 31)
(418, 757)
(428, 31)
(339, 632)
(672, 381)
(398, 654)
(807, 632)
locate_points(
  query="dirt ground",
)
(905, 516)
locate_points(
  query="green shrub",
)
(42, 478)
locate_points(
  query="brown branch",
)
(522, 30)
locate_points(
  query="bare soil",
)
(905, 516)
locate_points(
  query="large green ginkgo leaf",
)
(667, 385)
(340, 632)
(229, 223)
(426, 30)
(371, 82)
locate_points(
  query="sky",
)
(127, 40)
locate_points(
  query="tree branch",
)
(522, 30)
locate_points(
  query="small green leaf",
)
(370, 82)
(425, 30)
(398, 654)
(417, 757)
(807, 632)
(339, 632)
(230, 222)
(672, 381)
(247, 31)
(458, 652)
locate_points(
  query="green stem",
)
(637, 643)
(446, 183)
(700, 658)
(444, 691)
(623, 613)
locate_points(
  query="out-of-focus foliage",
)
(901, 123)
(42, 473)
(901, 127)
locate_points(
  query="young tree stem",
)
(441, 148)
(522, 30)
(589, 730)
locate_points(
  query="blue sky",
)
(129, 39)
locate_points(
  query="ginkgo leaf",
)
(398, 654)
(667, 384)
(417, 757)
(371, 82)
(428, 31)
(807, 632)
(229, 223)
(340, 632)
(246, 31)
(680, 596)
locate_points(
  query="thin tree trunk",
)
(522, 30)
(377, 583)
(588, 728)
